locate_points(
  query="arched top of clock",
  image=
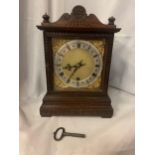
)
(78, 20)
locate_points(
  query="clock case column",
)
(77, 25)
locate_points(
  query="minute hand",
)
(75, 69)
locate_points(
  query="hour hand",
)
(80, 64)
(68, 67)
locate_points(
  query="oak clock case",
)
(78, 49)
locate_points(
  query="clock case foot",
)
(75, 106)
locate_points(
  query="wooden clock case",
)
(77, 25)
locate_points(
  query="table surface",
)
(113, 136)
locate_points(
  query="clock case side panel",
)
(65, 103)
(108, 56)
(48, 62)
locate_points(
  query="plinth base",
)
(75, 106)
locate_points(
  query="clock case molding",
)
(77, 25)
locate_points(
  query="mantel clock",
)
(78, 49)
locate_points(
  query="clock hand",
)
(76, 67)
(79, 64)
(69, 67)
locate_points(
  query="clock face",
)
(77, 64)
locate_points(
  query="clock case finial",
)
(45, 19)
(77, 25)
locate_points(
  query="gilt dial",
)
(78, 63)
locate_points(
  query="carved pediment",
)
(78, 19)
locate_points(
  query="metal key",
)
(64, 133)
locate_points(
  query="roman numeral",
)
(61, 74)
(68, 47)
(58, 65)
(94, 74)
(78, 79)
(68, 81)
(97, 65)
(88, 48)
(60, 55)
(95, 56)
(87, 82)
(78, 45)
(77, 83)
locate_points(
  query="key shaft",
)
(74, 134)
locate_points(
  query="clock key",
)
(59, 136)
